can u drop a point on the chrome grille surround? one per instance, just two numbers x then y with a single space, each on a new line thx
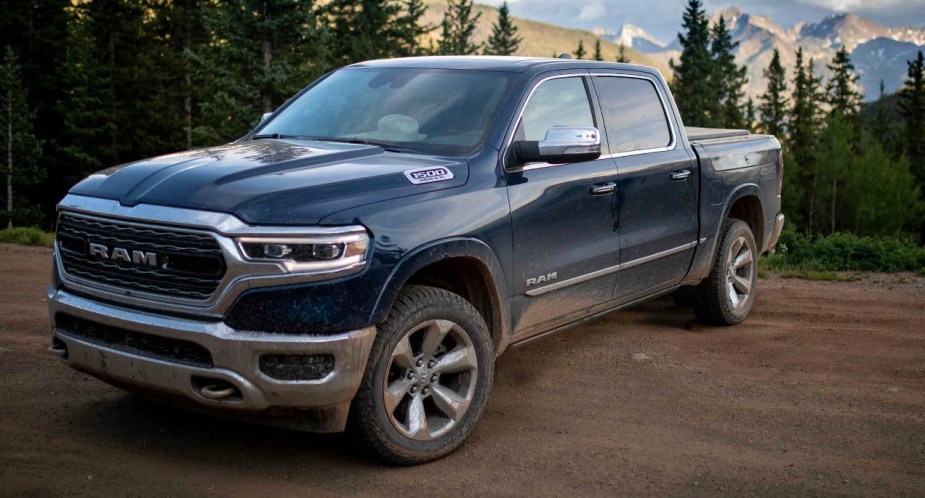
199 282
239 274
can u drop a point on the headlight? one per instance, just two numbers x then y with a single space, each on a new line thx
311 253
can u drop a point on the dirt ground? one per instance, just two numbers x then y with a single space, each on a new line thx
820 392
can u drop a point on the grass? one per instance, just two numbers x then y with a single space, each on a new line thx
27 236
839 257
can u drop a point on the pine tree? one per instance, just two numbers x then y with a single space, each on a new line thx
37 32
912 107
843 96
180 32
727 78
503 39
580 52
411 28
691 85
882 126
833 156
20 149
86 143
750 118
803 127
774 101
365 29
268 50
622 54
597 50
458 28
884 199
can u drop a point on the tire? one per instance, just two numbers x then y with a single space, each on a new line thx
403 379
726 296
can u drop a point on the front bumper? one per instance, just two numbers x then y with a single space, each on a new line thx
235 361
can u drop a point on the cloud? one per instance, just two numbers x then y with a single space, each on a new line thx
592 11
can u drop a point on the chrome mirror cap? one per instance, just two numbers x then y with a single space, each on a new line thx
568 140
562 144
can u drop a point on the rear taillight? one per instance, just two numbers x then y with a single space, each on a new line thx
780 172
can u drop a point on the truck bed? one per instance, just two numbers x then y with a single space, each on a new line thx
695 134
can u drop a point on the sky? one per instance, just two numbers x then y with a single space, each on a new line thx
662 18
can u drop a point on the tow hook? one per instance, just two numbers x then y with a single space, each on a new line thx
217 391
58 348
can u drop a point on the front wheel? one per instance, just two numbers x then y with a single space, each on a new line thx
727 295
427 380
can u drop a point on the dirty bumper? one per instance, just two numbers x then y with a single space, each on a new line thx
209 366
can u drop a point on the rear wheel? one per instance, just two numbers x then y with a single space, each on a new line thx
427 380
727 295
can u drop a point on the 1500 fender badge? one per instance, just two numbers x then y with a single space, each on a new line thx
428 175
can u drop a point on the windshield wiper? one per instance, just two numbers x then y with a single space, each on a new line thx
276 136
385 146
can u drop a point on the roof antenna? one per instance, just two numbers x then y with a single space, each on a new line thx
564 56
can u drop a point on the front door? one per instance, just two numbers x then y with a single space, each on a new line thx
656 192
563 216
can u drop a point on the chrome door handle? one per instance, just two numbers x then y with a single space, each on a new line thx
603 188
677 176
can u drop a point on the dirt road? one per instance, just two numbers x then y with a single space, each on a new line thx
820 392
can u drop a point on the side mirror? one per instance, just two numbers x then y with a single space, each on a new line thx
563 144
264 117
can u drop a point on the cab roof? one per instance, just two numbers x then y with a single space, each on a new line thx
513 64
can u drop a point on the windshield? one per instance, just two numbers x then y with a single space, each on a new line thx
432 111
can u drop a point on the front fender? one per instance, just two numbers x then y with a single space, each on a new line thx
455 247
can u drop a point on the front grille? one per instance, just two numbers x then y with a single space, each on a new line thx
152 346
156 260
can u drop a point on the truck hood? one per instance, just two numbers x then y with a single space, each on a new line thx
272 182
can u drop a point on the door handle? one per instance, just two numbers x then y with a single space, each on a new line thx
677 176
603 188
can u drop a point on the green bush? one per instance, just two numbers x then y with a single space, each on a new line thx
27 237
845 252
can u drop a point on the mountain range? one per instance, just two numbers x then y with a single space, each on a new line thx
878 52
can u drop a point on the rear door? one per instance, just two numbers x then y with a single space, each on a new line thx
656 191
562 215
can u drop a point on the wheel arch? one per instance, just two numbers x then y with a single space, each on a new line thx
464 266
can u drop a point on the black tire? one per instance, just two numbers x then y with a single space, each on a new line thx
714 303
370 421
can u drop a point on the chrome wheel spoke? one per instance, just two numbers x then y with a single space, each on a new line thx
733 296
736 246
395 392
417 419
402 356
457 360
743 285
433 336
449 402
744 258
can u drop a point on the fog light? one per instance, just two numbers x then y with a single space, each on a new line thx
297 366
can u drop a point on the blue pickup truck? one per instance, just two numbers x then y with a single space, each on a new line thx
362 257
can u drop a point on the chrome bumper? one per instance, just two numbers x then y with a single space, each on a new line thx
235 357
775 234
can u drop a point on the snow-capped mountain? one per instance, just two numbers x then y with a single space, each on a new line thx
878 52
633 37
